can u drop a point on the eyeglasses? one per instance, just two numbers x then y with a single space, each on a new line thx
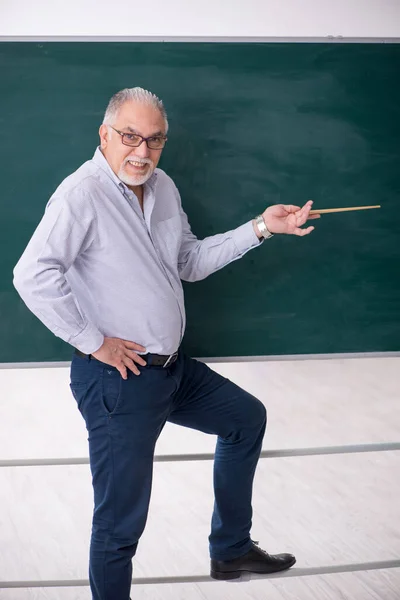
156 142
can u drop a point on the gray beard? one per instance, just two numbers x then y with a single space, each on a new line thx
135 180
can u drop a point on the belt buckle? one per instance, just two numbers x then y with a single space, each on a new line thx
168 361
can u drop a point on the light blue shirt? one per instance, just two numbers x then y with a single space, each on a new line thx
98 266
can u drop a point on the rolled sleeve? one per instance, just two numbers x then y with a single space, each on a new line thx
89 340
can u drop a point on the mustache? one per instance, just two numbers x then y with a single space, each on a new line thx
143 161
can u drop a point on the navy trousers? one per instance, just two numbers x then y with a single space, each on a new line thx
124 419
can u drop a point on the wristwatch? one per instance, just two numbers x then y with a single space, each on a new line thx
262 228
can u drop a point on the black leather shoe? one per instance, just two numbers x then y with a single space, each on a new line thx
255 561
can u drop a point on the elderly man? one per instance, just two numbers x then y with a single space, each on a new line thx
103 272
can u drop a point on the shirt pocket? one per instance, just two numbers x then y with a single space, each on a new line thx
169 237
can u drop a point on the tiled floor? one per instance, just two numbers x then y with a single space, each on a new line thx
328 510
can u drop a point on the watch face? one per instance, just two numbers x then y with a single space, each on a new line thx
262 228
261 225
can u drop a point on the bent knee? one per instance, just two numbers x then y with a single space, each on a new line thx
257 415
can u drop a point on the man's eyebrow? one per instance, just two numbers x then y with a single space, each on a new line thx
156 134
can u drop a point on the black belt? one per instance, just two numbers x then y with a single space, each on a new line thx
154 360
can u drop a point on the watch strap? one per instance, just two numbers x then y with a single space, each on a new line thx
262 228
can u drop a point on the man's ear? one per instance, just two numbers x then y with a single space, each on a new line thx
104 136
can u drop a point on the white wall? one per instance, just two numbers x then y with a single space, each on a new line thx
163 18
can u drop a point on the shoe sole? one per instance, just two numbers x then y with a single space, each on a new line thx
228 575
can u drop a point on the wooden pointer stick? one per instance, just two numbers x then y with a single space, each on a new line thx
333 210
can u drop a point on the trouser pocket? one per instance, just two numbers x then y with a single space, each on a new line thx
111 386
78 391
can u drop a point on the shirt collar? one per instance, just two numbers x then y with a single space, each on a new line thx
100 160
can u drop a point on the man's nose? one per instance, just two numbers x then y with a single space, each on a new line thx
142 151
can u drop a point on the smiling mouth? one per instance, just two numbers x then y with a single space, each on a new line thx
137 165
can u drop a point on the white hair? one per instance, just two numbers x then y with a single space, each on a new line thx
136 94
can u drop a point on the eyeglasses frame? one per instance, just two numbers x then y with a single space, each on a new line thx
143 139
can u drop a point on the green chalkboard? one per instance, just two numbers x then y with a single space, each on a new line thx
250 125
